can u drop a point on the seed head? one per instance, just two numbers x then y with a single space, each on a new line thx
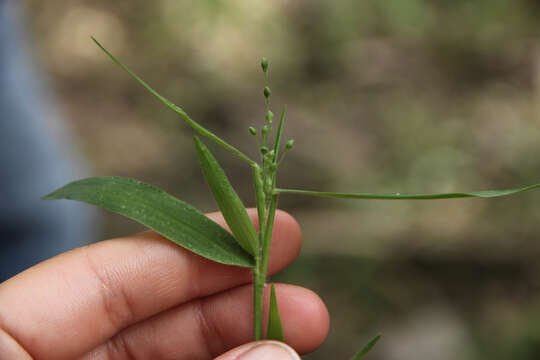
264 64
269 116
267 92
289 144
265 130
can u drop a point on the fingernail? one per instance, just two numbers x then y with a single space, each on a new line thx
270 350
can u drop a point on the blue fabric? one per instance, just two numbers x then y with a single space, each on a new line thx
35 158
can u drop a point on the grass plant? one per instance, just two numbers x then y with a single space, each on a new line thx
187 227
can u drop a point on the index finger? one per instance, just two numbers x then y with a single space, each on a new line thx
66 306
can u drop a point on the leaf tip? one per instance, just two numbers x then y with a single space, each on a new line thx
51 196
95 40
367 348
275 328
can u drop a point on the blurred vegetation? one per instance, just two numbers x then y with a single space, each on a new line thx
400 96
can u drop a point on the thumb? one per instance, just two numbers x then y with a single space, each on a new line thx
261 350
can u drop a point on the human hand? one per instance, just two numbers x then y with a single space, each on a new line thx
143 297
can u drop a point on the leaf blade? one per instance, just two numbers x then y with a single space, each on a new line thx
399 196
279 133
177 109
229 203
367 348
275 329
161 212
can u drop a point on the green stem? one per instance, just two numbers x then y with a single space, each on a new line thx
266 222
258 277
258 287
268 235
259 196
266 208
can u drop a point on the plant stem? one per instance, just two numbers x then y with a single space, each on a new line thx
258 287
266 225
258 278
260 197
264 177
268 234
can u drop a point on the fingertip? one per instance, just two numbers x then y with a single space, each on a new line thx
286 242
265 349
287 223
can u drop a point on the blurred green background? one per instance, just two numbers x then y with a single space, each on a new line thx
382 96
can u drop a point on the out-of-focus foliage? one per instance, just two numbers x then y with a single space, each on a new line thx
386 96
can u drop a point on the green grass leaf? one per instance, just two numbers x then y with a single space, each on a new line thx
279 133
228 201
161 212
399 196
362 353
196 126
275 330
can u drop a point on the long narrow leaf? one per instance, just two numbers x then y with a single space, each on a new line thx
196 126
279 134
154 208
399 196
360 355
228 201
275 330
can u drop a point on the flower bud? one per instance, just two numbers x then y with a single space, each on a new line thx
264 64
289 144
253 131
264 150
267 92
269 116
265 130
